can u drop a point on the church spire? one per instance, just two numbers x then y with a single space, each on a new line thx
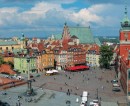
125 9
125 22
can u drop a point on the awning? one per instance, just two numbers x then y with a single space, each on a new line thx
77 68
48 67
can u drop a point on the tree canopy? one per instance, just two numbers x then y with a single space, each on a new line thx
106 55
1 60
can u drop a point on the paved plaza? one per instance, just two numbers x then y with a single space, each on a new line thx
96 81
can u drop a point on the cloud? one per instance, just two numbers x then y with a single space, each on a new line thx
35 1
99 15
107 1
49 17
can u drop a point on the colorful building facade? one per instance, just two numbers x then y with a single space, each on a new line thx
47 60
21 65
92 56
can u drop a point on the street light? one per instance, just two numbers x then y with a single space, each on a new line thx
97 93
29 91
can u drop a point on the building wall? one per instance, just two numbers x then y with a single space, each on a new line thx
10 47
79 58
93 59
70 61
123 79
47 60
20 64
7 59
39 63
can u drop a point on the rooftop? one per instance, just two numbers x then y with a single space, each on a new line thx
8 43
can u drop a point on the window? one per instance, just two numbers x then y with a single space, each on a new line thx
128 93
12 48
6 48
129 74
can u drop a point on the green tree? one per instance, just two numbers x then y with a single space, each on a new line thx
1 60
11 64
106 55
55 62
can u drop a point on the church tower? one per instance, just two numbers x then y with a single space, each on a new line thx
65 36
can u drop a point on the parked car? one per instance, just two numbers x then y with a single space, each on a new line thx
116 85
31 76
114 81
116 89
94 103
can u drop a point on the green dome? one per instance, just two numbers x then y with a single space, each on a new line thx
125 22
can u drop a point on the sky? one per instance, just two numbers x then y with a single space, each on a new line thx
42 18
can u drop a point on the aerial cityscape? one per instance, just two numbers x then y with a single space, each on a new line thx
64 53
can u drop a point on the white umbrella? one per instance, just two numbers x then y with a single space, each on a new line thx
49 72
55 71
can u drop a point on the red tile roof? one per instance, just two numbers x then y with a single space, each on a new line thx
96 48
7 69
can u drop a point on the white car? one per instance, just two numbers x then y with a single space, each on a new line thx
94 103
116 85
19 77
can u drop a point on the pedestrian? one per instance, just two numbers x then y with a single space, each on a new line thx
103 87
16 104
65 83
9 97
77 88
77 100
60 88
71 90
100 98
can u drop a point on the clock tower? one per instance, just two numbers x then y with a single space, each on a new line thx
125 36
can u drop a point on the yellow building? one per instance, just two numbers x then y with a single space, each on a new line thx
39 63
47 60
9 46
9 58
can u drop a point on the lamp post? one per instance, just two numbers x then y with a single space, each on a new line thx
97 93
29 91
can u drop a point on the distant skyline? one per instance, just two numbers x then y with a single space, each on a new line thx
42 18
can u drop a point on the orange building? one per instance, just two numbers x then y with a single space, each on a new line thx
8 58
47 59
